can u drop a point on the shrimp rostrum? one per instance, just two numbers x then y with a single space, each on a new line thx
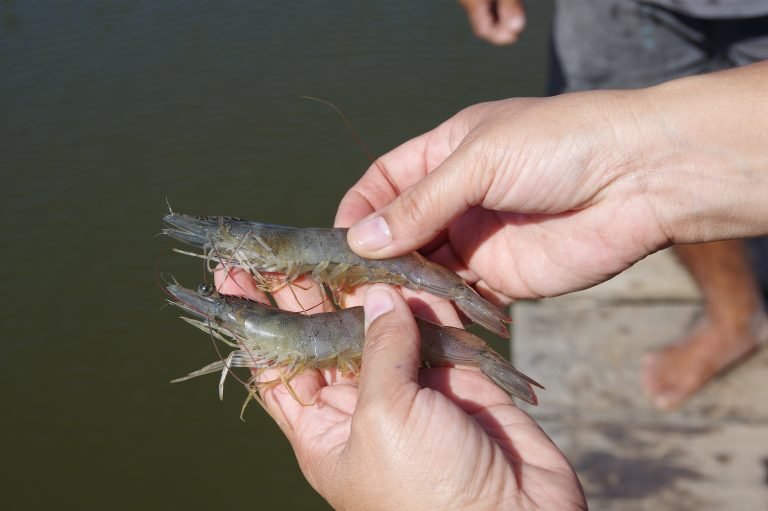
268 338
324 253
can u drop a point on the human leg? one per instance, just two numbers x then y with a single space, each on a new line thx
617 44
733 324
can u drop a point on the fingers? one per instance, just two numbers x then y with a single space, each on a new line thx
387 176
480 17
282 405
237 282
391 356
353 207
422 211
511 21
303 295
499 22
300 295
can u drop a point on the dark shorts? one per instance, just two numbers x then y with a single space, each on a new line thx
622 44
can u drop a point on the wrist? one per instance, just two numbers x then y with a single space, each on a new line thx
706 166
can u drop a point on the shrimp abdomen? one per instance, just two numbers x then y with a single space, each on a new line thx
453 346
483 312
503 374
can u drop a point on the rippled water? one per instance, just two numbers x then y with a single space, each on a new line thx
109 109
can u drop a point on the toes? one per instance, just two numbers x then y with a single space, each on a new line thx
664 380
654 374
669 400
648 370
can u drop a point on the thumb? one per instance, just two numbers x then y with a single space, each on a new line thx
512 16
391 356
417 216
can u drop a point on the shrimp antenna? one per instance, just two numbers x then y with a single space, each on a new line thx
359 140
227 262
168 279
227 368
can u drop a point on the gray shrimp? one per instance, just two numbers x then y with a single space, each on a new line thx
266 338
324 253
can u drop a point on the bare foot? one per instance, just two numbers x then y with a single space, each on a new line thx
674 373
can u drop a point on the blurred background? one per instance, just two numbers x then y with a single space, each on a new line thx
107 109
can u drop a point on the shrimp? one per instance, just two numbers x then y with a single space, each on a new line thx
324 253
268 338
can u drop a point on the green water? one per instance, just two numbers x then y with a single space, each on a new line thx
109 108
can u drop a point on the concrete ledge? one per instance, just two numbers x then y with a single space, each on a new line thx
710 455
630 466
589 357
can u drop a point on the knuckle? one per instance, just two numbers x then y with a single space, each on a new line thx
481 170
382 332
414 210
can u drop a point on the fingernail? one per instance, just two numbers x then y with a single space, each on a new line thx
517 23
371 233
377 301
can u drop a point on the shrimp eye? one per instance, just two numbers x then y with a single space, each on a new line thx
205 289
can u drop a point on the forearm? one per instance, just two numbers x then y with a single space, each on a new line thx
708 174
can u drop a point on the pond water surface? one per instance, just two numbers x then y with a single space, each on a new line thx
107 109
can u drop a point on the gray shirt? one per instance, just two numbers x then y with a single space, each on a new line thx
716 8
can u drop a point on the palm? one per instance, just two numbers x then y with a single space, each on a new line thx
459 411
532 256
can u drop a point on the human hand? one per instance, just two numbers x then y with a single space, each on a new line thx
406 438
499 22
539 197
523 197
